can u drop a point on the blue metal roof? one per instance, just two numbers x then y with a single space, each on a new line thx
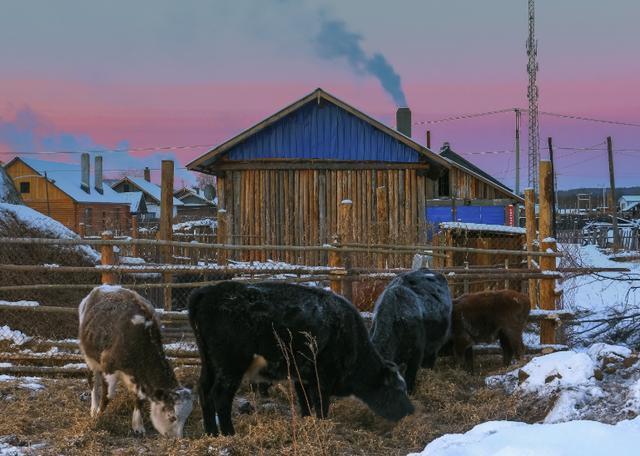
324 131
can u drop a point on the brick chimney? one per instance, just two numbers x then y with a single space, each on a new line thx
147 174
98 174
403 121
84 172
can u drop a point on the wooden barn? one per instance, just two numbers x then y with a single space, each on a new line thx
69 194
282 180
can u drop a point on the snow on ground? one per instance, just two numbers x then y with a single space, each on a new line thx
508 438
483 227
19 303
601 383
16 337
10 445
30 383
602 296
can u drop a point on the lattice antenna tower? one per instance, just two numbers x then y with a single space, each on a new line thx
532 96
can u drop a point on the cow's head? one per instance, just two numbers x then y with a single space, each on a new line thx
388 398
170 410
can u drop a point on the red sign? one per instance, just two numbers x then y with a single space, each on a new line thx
510 215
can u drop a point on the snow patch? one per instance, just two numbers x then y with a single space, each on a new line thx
19 303
483 227
508 438
16 337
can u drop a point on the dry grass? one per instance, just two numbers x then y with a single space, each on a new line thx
447 400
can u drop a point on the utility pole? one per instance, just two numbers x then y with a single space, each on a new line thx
613 205
553 193
517 150
532 96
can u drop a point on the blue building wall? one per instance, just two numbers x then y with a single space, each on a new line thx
324 132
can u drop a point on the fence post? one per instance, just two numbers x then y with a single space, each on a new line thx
530 216
223 225
506 267
335 261
382 220
82 230
135 248
345 232
107 258
166 224
547 244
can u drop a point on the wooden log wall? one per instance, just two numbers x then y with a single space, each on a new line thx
300 207
467 186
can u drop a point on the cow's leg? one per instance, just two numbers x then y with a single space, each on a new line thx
137 423
429 360
207 380
305 398
224 389
468 359
95 393
506 342
411 372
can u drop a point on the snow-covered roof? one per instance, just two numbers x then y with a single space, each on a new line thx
483 227
631 206
630 198
186 192
134 199
66 176
149 188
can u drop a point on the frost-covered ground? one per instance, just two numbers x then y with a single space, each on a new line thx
607 303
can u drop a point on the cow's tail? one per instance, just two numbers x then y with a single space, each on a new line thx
193 307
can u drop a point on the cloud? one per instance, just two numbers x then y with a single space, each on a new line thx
25 132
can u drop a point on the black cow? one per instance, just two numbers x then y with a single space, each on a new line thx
412 321
279 329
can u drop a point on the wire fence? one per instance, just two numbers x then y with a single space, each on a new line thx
42 281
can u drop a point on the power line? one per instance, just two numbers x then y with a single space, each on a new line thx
96 151
463 116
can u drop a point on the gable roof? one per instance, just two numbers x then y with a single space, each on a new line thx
464 164
399 148
148 188
135 200
66 177
630 198
185 193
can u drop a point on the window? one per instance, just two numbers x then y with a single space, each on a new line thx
443 185
25 187
126 188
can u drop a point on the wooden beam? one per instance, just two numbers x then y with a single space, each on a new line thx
166 223
107 258
315 164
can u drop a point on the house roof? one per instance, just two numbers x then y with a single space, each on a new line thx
148 188
631 206
66 177
319 95
630 198
467 166
135 199
186 192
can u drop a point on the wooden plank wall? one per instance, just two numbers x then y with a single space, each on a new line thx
300 207
467 186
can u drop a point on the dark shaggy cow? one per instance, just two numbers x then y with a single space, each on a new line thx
278 329
120 340
412 321
486 316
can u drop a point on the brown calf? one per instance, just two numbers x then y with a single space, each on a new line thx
486 316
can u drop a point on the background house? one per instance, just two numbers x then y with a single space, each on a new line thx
71 194
196 203
282 180
629 206
150 191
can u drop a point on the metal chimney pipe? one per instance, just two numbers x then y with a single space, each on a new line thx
403 121
98 174
84 172
147 174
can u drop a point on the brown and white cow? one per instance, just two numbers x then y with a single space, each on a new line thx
120 340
